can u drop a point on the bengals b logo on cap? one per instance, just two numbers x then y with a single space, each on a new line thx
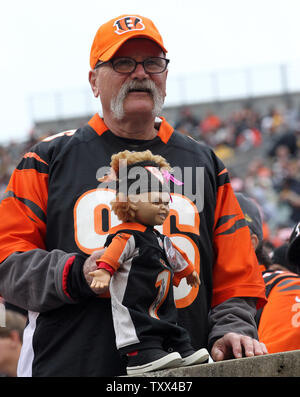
128 24
110 36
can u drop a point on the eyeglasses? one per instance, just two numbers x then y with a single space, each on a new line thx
152 65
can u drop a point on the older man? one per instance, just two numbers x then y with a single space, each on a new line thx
56 216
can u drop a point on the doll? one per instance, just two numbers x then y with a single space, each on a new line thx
140 265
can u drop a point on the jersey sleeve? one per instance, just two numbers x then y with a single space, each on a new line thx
23 209
183 266
30 276
236 272
119 250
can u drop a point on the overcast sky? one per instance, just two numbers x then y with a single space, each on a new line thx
45 44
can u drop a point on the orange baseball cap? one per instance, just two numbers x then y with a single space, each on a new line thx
111 35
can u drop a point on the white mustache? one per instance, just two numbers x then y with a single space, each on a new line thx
144 85
133 85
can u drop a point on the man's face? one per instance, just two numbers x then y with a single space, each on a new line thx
112 86
6 353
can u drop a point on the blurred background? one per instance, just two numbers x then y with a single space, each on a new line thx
233 83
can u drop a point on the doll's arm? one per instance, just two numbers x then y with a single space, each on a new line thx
121 247
101 277
184 268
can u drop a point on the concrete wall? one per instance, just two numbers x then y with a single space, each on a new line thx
285 364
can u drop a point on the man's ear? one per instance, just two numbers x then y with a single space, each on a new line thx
254 241
92 80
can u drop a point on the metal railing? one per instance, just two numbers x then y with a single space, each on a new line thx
184 89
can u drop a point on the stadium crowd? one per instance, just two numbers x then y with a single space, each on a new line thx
268 145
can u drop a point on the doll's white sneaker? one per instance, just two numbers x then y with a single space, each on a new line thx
148 360
193 357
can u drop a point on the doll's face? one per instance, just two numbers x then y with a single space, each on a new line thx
151 208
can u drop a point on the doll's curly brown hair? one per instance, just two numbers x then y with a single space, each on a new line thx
121 204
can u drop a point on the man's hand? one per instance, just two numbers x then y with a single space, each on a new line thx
89 266
234 345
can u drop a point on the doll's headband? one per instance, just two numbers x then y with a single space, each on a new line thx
141 177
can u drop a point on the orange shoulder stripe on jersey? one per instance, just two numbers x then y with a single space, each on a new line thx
20 229
165 131
32 210
289 284
115 249
34 155
227 210
29 184
97 124
228 224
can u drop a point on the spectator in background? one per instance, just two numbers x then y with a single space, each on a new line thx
279 320
293 251
288 140
209 126
11 338
254 222
292 116
258 184
247 131
273 123
290 192
187 123
279 167
279 258
249 138
210 123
